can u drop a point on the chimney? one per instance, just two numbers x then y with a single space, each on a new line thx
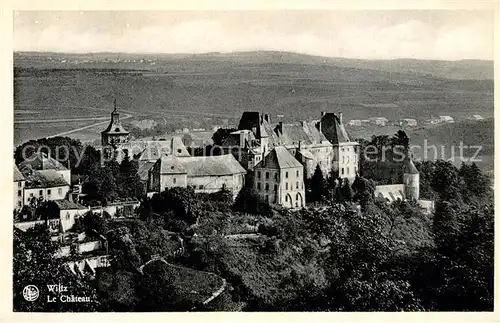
280 127
263 159
340 117
323 114
300 144
266 117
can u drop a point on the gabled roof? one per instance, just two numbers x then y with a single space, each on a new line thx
144 167
18 176
409 167
40 161
45 179
279 158
201 165
305 132
333 129
69 205
390 192
154 149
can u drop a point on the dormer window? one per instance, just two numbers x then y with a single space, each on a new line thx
117 129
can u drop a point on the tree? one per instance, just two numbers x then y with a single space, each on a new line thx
220 135
477 184
347 192
318 190
446 181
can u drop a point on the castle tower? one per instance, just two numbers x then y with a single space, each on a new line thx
114 134
411 179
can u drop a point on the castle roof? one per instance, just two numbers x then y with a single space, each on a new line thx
154 149
409 167
304 132
69 205
196 166
279 158
333 129
115 127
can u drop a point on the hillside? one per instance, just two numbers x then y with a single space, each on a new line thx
174 88
447 138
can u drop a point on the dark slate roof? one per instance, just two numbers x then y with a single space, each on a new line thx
154 149
250 120
201 165
40 162
144 167
69 205
45 179
115 127
18 176
279 158
409 167
333 129
304 132
233 140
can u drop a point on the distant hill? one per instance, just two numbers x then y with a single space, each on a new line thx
462 69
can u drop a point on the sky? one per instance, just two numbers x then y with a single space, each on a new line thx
437 34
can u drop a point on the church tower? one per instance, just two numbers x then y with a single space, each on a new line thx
114 134
411 179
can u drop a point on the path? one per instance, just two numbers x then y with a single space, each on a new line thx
86 127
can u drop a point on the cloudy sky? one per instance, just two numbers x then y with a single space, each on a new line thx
448 35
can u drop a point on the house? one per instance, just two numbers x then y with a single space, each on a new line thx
345 154
475 117
355 122
379 121
446 119
68 212
19 183
206 174
47 185
114 134
279 179
408 122
41 163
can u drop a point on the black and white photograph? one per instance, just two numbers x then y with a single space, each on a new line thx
253 160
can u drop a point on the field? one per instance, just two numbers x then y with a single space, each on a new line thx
185 89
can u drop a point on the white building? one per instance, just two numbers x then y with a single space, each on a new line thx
475 117
406 122
446 119
69 212
379 121
279 179
206 174
19 183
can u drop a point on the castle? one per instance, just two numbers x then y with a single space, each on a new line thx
274 159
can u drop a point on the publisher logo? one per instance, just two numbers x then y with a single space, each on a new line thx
30 293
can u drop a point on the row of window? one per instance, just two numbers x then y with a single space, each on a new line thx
40 192
355 149
266 186
346 159
297 174
345 171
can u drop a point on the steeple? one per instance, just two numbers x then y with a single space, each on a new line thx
114 133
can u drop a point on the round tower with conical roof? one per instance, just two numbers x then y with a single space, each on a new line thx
411 179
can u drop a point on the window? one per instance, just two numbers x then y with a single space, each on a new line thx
67 215
267 187
297 185
342 149
286 198
343 159
19 192
286 174
342 170
19 204
49 192
298 173
59 191
347 172
19 184
286 186
40 192
276 176
200 187
258 186
174 180
267 175
297 197
275 187
31 194
258 174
